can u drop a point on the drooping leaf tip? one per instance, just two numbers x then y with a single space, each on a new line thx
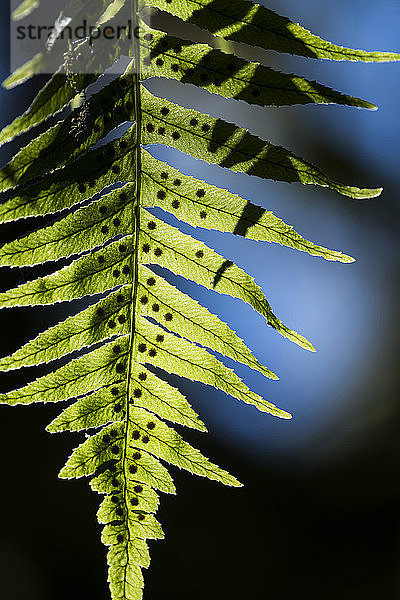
359 193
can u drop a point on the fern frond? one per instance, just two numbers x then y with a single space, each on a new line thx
105 242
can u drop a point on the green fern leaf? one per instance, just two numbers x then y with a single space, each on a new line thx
106 243
24 9
253 24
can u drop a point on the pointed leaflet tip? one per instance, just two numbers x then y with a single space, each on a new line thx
24 9
285 415
370 106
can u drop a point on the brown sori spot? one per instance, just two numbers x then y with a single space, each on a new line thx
158 251
112 468
151 425
164 175
151 225
111 324
175 67
113 432
155 307
217 82
160 338
142 347
123 144
121 319
199 253
120 538
137 392
120 298
194 122
106 439
135 435
100 312
200 193
161 130
142 517
164 110
103 210
119 511
114 391
177 182
124 83
119 368
82 188
115 482
114 499
91 184
101 259
161 194
178 49
152 353
136 456
104 229
148 37
132 469
116 273
203 214
126 270
129 105
115 449
205 127
144 300
122 196
117 349
175 204
145 248
168 317
121 247
145 439
134 501
142 376
176 135
117 408
151 281
115 169
116 222
189 72
159 62
150 127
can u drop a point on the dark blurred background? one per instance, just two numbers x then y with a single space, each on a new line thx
319 514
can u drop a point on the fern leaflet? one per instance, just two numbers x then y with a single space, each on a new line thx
115 251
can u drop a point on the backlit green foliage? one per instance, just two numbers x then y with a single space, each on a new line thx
100 194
